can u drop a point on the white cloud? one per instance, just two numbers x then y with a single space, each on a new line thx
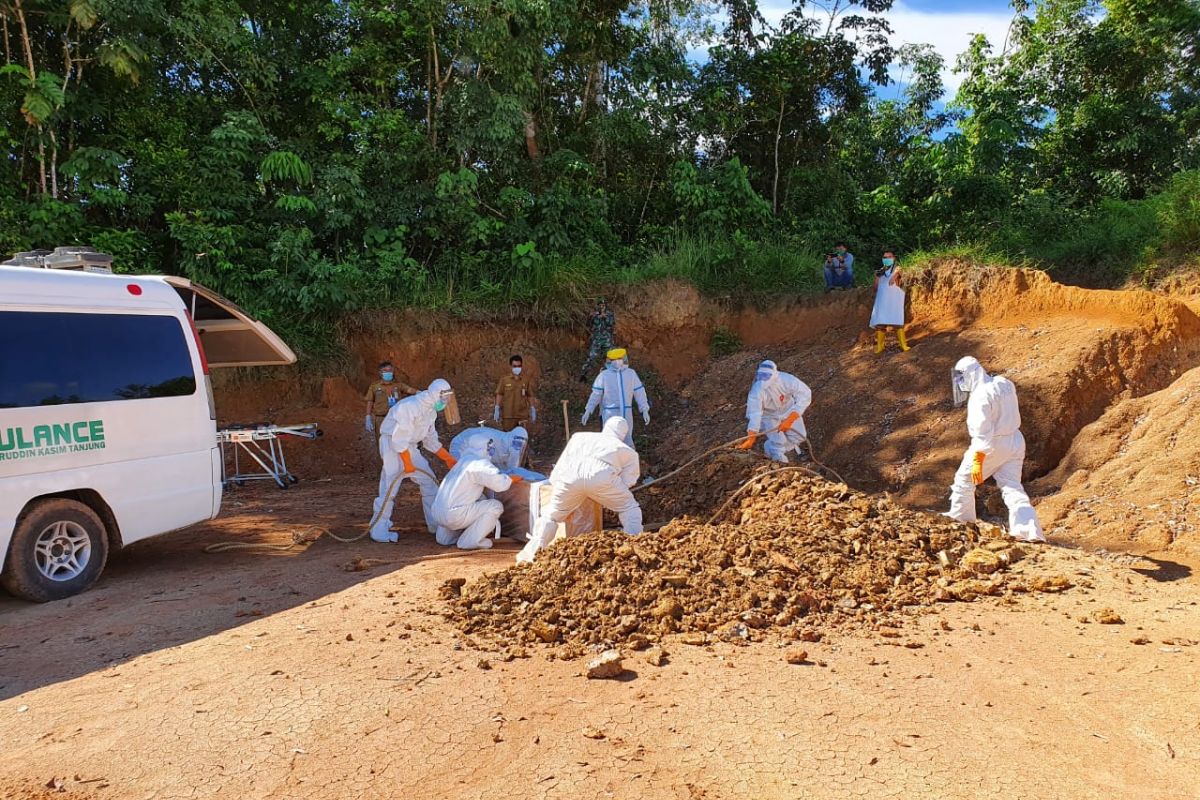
949 32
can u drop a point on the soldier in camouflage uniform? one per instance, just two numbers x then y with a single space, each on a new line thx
602 326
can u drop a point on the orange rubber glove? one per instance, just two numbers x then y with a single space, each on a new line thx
515 478
789 421
408 465
751 438
446 458
977 469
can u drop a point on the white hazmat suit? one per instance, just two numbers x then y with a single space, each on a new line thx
508 447
460 511
994 423
774 397
595 466
409 423
615 390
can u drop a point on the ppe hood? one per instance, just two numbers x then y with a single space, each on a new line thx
231 337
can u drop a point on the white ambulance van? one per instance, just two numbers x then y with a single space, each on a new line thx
107 423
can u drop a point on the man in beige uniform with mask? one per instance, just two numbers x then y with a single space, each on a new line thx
382 395
515 402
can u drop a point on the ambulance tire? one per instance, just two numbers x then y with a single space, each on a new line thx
22 576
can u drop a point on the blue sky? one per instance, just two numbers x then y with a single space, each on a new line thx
946 24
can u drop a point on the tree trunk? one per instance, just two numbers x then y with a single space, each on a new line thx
28 47
531 130
778 135
53 164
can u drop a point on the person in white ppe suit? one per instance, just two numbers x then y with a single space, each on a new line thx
409 423
997 448
460 512
776 405
508 447
615 390
595 466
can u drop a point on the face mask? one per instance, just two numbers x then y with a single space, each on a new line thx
763 375
387 376
887 262
841 251
439 405
516 370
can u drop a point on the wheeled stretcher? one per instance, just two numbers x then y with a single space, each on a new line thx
262 442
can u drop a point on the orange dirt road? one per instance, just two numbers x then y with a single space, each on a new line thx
250 675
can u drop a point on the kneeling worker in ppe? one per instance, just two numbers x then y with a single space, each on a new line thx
460 511
409 423
506 451
997 448
594 466
776 405
615 390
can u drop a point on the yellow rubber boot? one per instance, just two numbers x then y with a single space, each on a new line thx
878 342
903 339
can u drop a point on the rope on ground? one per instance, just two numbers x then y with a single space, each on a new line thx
310 534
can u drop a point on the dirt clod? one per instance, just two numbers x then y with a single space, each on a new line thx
797 657
606 665
1106 616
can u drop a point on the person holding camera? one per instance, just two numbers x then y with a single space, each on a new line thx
839 269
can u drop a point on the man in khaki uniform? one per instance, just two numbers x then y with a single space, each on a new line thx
515 402
382 395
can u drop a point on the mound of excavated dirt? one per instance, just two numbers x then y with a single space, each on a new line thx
807 553
1131 480
702 488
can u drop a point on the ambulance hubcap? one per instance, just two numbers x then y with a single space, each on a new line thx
63 550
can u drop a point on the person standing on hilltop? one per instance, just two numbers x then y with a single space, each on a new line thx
602 327
382 395
888 311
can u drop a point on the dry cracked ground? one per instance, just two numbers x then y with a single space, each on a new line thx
283 675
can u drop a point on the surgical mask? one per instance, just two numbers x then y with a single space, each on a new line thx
615 365
763 375
841 251
516 370
387 376
439 405
887 262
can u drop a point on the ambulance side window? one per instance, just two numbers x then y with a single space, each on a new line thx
54 358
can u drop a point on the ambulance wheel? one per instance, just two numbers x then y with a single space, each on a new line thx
58 549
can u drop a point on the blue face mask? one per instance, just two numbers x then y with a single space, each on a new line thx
887 262
614 365
387 376
516 370
439 405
